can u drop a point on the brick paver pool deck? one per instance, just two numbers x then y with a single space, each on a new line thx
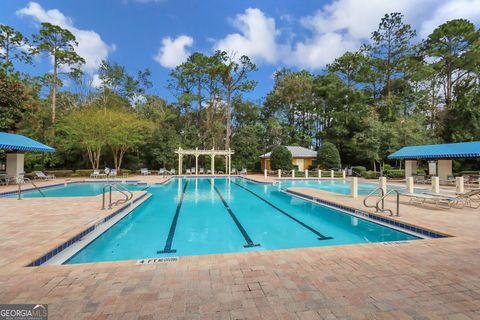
422 279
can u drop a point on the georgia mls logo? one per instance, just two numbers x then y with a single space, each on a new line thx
23 312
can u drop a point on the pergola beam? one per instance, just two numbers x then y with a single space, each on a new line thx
211 153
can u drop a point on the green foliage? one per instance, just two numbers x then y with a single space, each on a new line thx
371 175
12 44
13 101
395 173
60 173
328 156
281 158
359 170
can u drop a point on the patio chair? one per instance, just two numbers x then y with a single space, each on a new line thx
188 171
443 201
4 179
244 171
201 171
112 173
144 172
209 171
42 176
95 173
234 171
172 171
162 171
470 198
193 170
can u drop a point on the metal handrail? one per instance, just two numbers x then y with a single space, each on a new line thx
371 194
383 205
118 187
23 180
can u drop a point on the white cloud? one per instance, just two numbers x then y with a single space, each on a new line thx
336 27
173 51
466 9
256 38
91 47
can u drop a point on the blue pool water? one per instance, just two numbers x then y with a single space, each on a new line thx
192 216
73 190
336 186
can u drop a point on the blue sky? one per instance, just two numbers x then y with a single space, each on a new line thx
158 34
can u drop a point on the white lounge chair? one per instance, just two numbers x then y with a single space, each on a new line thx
172 171
470 198
188 171
234 171
4 179
42 176
95 173
438 200
201 171
144 172
112 173
244 171
162 171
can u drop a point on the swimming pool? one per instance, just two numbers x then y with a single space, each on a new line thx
336 186
82 189
194 216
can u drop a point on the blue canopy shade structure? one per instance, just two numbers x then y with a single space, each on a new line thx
439 151
18 142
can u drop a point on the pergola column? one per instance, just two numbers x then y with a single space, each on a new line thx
212 164
180 159
15 162
196 164
410 168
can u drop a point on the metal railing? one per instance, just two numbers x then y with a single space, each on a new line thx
371 194
22 180
380 204
383 204
118 187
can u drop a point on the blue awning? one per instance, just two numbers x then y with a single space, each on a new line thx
18 142
439 151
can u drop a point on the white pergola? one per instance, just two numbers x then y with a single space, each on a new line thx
211 153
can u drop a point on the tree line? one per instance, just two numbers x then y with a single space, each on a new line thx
396 90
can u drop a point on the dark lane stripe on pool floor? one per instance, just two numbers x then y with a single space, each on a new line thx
320 236
239 225
173 226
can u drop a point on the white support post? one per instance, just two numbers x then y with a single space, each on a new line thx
344 174
265 173
293 173
229 163
319 174
435 184
196 164
15 164
306 173
382 183
409 185
279 173
332 174
354 187
179 164
212 163
460 185
226 164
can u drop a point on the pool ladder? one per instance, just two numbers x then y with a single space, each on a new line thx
22 180
380 204
118 187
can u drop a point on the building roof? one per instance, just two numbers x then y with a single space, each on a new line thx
297 152
439 151
12 141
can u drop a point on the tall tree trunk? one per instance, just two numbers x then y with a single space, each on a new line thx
449 84
54 90
229 101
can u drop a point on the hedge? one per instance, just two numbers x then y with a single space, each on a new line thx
371 175
359 169
61 173
395 173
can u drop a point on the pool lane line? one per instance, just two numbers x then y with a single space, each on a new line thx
320 236
245 235
173 226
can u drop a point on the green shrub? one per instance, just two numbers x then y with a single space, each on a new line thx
83 172
359 170
281 158
395 173
60 173
328 156
387 167
468 172
371 175
421 172
38 167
